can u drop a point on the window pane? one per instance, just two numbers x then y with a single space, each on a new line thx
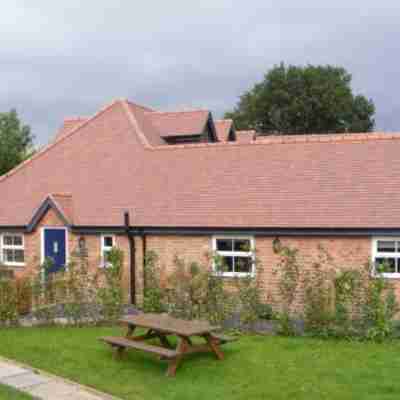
17 240
227 264
8 255
243 264
19 256
386 246
386 264
108 241
224 244
242 245
8 240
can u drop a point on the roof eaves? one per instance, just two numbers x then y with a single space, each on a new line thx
48 203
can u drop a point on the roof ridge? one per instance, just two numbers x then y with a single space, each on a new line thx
179 112
290 139
135 125
49 146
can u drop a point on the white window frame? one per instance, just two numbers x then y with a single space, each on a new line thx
12 247
103 263
376 254
233 253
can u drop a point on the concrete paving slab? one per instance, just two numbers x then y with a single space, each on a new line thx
53 390
23 381
84 395
7 369
44 386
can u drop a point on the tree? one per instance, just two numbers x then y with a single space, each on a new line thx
299 100
15 141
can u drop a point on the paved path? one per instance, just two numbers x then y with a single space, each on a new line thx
44 386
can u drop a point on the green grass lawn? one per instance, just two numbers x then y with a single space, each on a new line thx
12 394
255 367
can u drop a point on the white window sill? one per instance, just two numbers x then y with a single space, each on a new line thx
386 275
14 265
235 274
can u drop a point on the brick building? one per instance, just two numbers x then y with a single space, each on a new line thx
182 183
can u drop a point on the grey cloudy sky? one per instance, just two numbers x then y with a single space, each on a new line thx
68 58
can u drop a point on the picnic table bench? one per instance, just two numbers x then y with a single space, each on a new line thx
160 326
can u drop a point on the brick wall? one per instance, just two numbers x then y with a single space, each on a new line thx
347 252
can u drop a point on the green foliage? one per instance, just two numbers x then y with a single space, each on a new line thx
15 141
153 292
249 299
8 302
110 293
337 302
298 100
288 271
80 295
197 292
380 307
264 311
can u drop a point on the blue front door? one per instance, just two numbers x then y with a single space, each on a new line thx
55 248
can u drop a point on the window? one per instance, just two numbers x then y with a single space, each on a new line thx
386 253
107 243
12 249
237 255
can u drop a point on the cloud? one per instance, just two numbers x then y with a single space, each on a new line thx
59 61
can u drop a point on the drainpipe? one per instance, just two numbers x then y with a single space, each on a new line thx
144 250
132 251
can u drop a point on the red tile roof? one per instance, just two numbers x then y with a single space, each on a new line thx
64 203
245 136
223 127
108 165
180 123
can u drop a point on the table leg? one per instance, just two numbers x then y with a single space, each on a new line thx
214 346
118 352
164 340
131 329
174 362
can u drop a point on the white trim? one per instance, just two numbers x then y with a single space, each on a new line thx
233 253
105 248
3 246
42 230
376 254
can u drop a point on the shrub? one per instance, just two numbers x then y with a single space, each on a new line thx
264 311
340 302
153 294
380 307
197 292
8 302
110 293
23 289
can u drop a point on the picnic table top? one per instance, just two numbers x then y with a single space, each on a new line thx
167 324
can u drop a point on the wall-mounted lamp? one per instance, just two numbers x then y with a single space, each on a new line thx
82 246
276 245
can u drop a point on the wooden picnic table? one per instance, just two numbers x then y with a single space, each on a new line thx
160 326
